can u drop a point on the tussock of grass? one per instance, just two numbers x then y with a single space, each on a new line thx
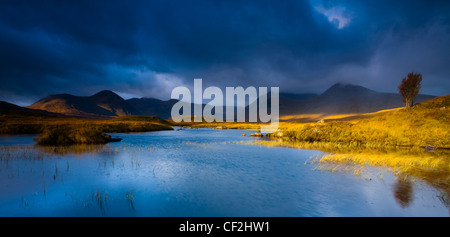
70 135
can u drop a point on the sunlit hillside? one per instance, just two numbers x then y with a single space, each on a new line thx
426 124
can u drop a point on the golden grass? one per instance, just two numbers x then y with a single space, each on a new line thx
339 116
228 125
426 124
308 117
36 125
317 117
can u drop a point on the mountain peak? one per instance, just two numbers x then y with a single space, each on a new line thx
342 84
106 93
347 88
107 96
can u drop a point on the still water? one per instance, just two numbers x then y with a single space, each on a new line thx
195 172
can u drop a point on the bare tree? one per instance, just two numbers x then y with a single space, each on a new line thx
409 88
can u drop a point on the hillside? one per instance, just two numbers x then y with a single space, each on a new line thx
348 99
101 105
15 110
151 106
105 104
340 100
425 124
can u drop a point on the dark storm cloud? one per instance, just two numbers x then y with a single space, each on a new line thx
145 48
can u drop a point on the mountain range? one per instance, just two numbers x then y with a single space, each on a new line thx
339 99
101 105
343 98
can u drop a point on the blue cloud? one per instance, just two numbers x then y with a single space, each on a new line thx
82 46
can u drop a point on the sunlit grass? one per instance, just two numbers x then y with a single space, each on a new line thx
32 125
228 125
426 124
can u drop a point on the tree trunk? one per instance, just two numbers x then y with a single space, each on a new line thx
408 104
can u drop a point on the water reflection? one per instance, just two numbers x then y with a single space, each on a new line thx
39 152
74 149
403 192
406 163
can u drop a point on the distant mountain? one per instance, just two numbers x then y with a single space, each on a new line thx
290 101
156 107
344 98
296 97
103 104
151 106
112 102
339 99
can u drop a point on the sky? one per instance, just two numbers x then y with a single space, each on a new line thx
147 48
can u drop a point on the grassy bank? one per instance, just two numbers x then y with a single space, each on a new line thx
62 131
425 124
227 125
